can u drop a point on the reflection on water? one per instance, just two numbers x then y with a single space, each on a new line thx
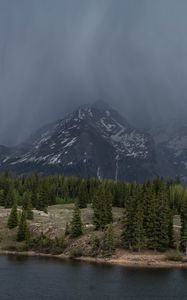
40 278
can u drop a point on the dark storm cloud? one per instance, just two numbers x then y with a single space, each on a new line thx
57 54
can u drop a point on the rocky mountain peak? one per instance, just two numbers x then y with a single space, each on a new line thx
94 140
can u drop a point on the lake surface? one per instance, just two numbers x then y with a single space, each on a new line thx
39 279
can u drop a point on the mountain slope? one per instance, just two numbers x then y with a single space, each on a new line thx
94 140
171 147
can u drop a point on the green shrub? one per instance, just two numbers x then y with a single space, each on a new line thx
44 244
76 252
18 247
96 246
174 255
108 245
59 245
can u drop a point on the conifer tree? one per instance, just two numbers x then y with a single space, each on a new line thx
2 197
29 211
126 232
108 241
23 230
11 197
25 199
27 205
82 195
138 235
97 207
108 218
76 223
183 241
171 231
151 223
42 200
34 197
102 205
164 221
13 217
65 192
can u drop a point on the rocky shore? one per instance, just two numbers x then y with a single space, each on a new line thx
121 258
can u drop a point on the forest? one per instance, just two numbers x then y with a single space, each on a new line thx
148 209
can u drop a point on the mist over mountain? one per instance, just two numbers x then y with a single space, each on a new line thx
95 140
57 55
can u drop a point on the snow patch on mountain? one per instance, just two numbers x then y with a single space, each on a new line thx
94 140
70 143
55 159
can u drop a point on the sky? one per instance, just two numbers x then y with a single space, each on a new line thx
58 54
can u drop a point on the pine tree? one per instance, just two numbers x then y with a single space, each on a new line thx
102 206
164 221
11 197
29 211
27 205
108 218
171 231
34 198
138 235
2 197
23 233
65 190
25 199
13 217
108 242
126 233
151 223
97 219
183 241
82 195
76 223
42 200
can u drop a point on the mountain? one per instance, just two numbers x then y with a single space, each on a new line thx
5 153
171 149
94 140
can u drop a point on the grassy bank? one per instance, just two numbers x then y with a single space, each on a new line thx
53 223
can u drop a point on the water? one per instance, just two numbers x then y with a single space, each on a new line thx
39 279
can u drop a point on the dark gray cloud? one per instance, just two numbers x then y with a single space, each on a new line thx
55 55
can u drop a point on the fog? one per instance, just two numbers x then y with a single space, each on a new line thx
58 54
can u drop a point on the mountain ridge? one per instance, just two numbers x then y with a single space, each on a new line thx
93 140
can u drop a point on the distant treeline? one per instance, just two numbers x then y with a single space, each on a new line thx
149 208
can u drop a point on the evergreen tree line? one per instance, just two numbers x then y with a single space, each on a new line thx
148 219
149 208
43 191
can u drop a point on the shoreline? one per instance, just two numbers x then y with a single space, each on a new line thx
150 260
